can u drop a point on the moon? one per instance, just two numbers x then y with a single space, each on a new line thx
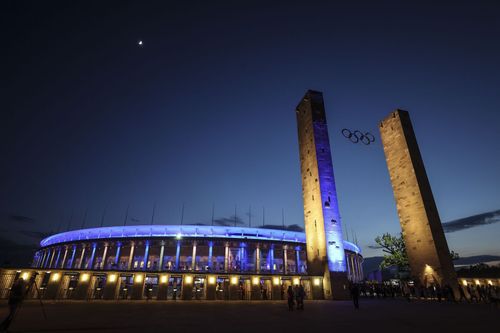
139 43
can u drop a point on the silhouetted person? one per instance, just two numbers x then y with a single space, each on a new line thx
472 293
290 298
355 295
16 297
301 294
462 294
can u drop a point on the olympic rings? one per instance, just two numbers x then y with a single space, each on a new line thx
357 136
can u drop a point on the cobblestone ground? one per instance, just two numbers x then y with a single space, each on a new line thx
256 316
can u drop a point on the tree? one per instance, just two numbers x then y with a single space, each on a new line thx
394 251
454 255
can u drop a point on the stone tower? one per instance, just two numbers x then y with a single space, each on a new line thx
426 246
325 249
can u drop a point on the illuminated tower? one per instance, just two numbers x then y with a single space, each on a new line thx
428 253
325 250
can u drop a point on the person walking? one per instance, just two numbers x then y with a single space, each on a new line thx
16 297
290 298
355 295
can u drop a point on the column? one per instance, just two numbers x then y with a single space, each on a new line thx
64 256
146 256
162 250
35 259
57 258
81 258
285 260
92 256
353 265
178 256
297 259
226 257
193 258
257 259
42 258
358 273
131 256
210 251
47 258
117 255
103 261
360 267
271 258
242 257
52 257
354 268
73 257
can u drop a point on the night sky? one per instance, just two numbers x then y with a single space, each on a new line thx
203 112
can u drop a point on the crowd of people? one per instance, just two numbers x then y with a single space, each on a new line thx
410 291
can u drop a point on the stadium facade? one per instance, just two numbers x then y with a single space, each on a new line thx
176 262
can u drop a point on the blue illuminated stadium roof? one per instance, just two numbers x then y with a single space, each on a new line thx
190 231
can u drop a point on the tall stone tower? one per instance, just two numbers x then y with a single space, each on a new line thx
325 249
426 246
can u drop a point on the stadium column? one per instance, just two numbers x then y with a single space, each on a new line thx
226 257
52 257
285 260
41 259
64 256
73 257
103 261
210 252
146 256
117 255
82 256
58 257
44 254
352 266
193 258
358 278
36 259
257 258
162 250
297 258
92 256
178 255
131 255
242 257
348 266
47 258
271 258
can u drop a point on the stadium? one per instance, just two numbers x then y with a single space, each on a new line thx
175 262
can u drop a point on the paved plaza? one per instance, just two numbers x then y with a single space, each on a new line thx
255 316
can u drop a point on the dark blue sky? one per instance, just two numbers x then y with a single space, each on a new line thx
204 112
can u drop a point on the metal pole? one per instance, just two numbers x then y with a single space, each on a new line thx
263 215
70 219
126 215
182 214
153 216
213 212
84 218
104 213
